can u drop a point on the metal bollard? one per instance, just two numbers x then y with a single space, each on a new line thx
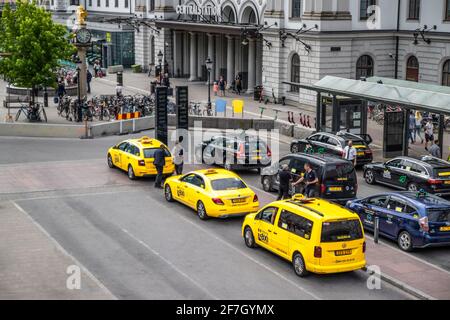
376 229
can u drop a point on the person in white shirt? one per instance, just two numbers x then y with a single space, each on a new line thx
119 89
178 156
429 131
350 152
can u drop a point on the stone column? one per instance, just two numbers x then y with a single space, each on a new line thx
259 52
230 60
178 54
186 69
218 62
211 54
193 57
201 55
251 65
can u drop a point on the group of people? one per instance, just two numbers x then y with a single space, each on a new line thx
416 126
219 87
309 178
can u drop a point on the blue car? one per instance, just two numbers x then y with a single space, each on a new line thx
413 219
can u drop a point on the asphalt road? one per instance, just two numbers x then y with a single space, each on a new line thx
141 247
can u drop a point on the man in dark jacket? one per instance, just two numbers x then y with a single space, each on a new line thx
285 180
159 162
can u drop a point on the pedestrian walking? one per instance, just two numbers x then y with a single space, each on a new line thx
429 133
310 179
285 179
222 86
159 163
96 68
238 84
418 128
435 150
61 90
89 79
178 156
119 89
350 152
215 88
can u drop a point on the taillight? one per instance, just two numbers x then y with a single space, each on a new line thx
269 153
255 198
423 223
434 181
364 247
141 163
241 152
317 252
218 201
323 188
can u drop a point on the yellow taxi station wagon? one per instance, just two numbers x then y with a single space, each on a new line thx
217 193
136 156
315 235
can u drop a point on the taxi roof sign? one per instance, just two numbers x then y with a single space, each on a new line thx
146 140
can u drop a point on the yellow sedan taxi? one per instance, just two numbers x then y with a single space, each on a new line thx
313 234
136 156
215 193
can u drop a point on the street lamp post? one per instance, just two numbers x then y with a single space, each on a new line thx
160 58
209 64
79 94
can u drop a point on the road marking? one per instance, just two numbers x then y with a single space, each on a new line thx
242 253
21 164
64 251
145 245
77 194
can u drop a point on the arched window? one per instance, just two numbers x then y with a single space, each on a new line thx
364 67
446 74
295 72
412 69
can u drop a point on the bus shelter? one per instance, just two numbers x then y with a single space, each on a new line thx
342 105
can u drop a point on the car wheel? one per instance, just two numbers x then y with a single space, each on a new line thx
168 193
369 176
413 187
295 148
249 238
131 174
201 211
404 241
110 162
267 184
299 265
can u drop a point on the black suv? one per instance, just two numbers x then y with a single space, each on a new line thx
337 177
235 152
334 144
427 173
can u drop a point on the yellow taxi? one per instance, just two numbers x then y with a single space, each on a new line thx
217 193
136 156
315 235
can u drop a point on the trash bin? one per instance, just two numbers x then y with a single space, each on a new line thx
257 92
120 78
153 85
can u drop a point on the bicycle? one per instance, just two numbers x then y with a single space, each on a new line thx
33 113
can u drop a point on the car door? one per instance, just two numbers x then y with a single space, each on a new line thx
331 145
371 208
194 190
119 154
390 224
390 173
314 141
182 188
297 168
265 226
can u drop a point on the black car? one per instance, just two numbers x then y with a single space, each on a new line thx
427 173
337 177
329 143
235 152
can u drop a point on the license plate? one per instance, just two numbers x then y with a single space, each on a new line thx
447 182
360 153
335 189
447 228
346 252
239 200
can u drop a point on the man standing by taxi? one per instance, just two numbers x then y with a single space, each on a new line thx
311 181
178 156
285 178
159 162
350 153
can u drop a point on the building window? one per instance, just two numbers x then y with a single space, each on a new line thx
412 69
364 67
74 2
447 10
107 3
99 3
296 8
364 6
90 3
414 10
126 3
295 72
152 5
116 3
446 74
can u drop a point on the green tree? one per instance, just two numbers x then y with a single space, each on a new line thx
34 44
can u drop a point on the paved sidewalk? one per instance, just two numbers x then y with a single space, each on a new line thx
411 274
32 266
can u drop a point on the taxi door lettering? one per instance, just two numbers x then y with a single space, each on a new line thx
180 192
263 236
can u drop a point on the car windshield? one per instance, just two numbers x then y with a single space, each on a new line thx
439 215
150 152
340 171
337 231
227 184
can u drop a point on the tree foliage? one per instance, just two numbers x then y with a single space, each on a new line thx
35 44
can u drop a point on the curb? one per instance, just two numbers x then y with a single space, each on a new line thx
403 286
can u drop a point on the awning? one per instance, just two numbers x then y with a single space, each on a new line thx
232 29
407 94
